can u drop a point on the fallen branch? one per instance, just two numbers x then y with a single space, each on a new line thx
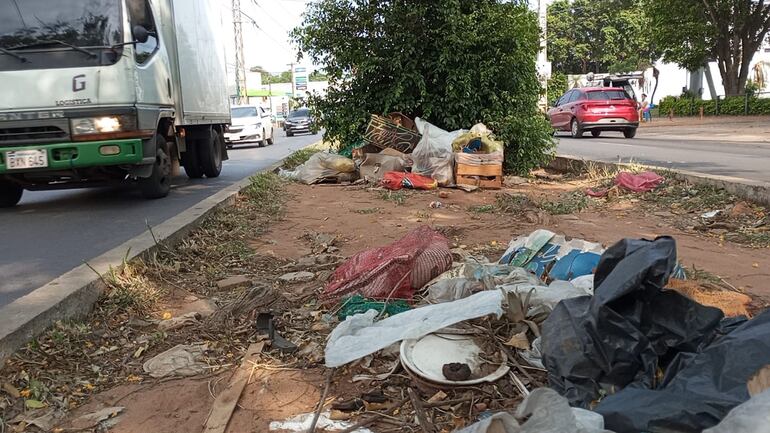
422 417
329 374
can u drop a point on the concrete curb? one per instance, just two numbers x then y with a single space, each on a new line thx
756 191
73 294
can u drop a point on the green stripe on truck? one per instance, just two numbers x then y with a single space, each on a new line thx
62 156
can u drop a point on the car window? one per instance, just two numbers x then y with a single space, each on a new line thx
606 95
575 96
299 113
141 14
564 99
239 112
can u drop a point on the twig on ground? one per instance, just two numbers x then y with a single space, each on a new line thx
374 417
322 401
422 417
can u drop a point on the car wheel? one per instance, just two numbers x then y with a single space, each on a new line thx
596 133
263 141
158 184
289 133
10 193
271 140
629 133
575 129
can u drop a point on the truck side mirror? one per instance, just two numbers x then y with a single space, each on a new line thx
140 33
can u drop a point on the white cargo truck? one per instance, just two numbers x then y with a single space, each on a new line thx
94 92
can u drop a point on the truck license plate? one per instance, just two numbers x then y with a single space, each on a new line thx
20 159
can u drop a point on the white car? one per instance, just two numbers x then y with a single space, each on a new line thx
250 123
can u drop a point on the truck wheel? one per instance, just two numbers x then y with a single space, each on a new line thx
10 193
191 160
158 184
211 154
271 140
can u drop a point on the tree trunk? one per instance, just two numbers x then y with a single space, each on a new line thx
730 79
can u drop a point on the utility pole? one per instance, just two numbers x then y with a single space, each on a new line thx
542 56
240 67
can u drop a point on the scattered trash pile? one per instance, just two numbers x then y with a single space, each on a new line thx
558 335
397 153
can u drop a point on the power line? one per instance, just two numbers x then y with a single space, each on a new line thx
270 16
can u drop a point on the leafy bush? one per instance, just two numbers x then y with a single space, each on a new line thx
451 63
732 105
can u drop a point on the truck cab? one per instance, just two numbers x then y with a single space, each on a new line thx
103 91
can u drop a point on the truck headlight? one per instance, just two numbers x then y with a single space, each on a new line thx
90 126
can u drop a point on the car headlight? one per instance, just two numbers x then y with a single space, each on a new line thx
86 126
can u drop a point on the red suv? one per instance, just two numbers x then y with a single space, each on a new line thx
595 109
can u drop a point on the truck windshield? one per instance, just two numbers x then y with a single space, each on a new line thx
45 32
239 112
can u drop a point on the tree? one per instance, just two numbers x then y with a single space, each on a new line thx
318 75
691 33
598 36
454 63
283 77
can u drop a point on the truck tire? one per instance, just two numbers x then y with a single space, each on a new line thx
10 193
191 160
158 184
211 154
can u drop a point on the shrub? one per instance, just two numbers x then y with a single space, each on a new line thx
451 63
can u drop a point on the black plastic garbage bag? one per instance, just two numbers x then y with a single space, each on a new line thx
629 330
698 389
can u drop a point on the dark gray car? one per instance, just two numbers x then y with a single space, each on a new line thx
299 121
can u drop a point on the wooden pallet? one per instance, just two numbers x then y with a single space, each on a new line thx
483 176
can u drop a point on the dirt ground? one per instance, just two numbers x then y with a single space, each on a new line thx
370 221
351 218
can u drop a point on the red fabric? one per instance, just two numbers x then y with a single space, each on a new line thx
641 182
596 192
396 180
394 271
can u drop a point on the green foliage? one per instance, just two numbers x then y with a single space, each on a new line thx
397 197
318 76
752 88
451 63
482 208
267 190
557 86
691 33
567 203
283 77
599 36
299 157
731 105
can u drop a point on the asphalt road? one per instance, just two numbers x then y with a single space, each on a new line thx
720 156
52 232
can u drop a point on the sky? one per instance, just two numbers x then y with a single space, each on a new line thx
266 39
268 45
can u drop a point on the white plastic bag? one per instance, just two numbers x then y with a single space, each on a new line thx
545 411
320 166
433 156
359 335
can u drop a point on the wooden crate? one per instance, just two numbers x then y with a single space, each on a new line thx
483 176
